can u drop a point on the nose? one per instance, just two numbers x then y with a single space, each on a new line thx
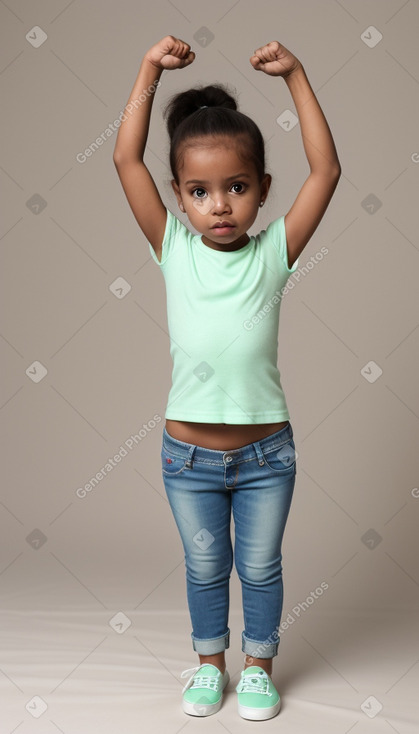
220 203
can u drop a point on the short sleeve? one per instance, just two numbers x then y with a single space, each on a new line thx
277 234
173 231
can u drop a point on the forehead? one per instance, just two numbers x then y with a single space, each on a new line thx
213 158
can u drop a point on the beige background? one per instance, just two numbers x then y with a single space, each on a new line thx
95 628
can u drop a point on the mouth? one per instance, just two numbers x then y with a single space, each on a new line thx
223 228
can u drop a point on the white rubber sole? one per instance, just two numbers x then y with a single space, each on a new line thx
200 709
259 714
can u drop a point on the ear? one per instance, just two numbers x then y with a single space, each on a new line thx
176 189
265 185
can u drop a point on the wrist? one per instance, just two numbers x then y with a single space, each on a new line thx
295 73
151 67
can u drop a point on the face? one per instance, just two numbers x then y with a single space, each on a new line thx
216 187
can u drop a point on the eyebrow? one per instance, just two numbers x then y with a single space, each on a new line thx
230 178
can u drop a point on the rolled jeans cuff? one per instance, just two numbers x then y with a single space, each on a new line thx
211 646
256 649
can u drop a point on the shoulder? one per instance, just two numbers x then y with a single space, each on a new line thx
176 234
275 235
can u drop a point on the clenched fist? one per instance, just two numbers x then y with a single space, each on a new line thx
275 60
170 53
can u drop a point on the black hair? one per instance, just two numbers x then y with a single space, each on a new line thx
187 118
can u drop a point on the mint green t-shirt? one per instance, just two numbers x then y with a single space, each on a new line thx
223 319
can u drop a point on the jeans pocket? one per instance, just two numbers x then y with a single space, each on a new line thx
172 464
282 460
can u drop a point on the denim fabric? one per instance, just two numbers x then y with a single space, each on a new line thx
203 485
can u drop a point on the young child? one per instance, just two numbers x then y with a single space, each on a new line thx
228 442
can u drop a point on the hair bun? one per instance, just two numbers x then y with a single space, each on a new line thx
183 104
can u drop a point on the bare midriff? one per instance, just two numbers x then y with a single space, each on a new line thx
221 436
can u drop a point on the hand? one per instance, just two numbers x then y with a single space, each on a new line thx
170 53
275 60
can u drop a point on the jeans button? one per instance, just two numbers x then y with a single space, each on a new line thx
229 458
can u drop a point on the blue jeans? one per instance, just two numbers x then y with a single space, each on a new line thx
202 485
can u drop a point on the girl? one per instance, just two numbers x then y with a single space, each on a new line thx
227 442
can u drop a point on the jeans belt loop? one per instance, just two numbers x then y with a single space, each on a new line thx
259 453
189 461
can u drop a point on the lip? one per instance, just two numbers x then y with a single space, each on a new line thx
221 231
223 228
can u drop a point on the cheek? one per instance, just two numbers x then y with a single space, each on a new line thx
199 207
196 218
249 203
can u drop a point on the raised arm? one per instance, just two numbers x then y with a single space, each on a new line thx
314 196
137 182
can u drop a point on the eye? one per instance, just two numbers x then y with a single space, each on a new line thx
241 186
196 190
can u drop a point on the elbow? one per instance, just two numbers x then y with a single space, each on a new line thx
334 174
330 171
119 155
122 159
117 159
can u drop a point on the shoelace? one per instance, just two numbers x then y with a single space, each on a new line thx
256 683
201 681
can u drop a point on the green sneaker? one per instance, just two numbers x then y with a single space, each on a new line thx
203 693
258 698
